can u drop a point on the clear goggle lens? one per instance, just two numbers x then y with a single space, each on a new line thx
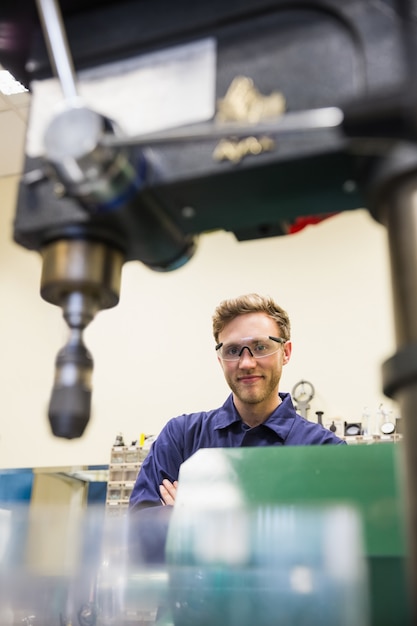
258 348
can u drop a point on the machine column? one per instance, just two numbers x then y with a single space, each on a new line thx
397 210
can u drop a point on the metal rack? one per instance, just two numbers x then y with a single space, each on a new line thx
125 463
371 439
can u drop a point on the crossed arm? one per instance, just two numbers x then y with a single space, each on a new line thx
168 491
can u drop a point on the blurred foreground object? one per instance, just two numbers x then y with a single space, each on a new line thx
298 535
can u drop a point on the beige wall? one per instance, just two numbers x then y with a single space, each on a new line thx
154 354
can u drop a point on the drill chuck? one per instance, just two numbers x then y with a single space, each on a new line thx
69 408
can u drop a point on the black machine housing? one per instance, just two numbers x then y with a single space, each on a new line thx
318 54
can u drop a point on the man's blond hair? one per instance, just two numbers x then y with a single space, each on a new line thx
227 310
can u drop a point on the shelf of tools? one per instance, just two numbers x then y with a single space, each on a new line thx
125 463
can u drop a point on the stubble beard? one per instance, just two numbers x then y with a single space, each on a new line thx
248 395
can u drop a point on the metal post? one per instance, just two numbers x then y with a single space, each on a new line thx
58 48
399 214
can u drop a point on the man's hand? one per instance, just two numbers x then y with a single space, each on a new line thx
168 491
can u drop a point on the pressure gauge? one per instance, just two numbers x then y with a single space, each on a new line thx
353 428
303 392
387 428
386 424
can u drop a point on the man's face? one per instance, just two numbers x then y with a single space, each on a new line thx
253 380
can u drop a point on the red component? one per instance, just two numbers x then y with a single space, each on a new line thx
308 220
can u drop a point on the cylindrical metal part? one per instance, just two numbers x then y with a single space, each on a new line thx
82 277
399 214
79 310
400 218
69 408
88 267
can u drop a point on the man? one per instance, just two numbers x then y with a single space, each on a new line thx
252 335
